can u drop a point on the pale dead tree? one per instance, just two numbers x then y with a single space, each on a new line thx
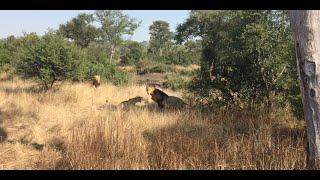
306 31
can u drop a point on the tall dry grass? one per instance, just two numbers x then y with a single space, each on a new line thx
63 129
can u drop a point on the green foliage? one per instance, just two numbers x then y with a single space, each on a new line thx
108 72
245 56
115 24
48 59
163 50
161 38
94 63
245 53
3 55
52 58
186 54
98 53
193 51
120 78
80 30
131 53
9 51
149 66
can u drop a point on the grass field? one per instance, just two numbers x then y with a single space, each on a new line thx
63 129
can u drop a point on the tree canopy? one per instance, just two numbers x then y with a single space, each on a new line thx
247 54
80 30
113 25
161 37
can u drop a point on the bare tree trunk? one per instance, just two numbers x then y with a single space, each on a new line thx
306 31
112 52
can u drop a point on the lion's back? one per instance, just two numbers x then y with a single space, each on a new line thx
174 102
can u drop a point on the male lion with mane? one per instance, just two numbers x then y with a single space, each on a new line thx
96 81
164 100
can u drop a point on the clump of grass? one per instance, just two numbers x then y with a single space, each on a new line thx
176 81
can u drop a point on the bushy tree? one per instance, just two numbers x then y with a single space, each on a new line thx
184 54
246 55
131 53
80 30
113 25
94 64
161 37
3 54
194 50
49 59
98 52
9 51
165 47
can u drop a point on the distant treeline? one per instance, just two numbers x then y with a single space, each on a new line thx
78 50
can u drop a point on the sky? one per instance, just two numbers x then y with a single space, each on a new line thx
15 22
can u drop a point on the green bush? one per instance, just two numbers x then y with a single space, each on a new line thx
247 53
9 51
96 62
108 72
120 78
98 53
49 59
131 53
184 54
2 55
180 55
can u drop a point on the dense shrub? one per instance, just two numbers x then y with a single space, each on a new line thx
247 55
3 54
131 53
185 54
98 53
49 59
108 72
9 51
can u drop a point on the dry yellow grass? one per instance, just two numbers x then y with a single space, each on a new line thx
76 135
130 69
190 67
